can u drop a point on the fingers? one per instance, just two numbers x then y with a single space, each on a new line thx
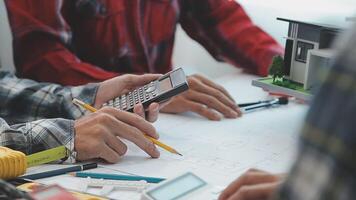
216 86
108 154
133 120
153 111
116 144
249 178
138 109
255 192
202 110
214 103
131 127
137 137
220 96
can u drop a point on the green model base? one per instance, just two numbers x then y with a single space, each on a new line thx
284 87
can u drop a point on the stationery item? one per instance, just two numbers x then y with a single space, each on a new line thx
107 186
61 171
118 177
274 102
160 90
241 105
183 187
154 141
14 163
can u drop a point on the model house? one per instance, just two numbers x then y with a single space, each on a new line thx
307 49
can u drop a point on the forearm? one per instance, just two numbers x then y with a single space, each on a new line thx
226 31
51 61
26 100
38 135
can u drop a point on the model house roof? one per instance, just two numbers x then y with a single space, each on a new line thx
316 25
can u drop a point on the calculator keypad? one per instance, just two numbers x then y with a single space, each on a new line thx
139 95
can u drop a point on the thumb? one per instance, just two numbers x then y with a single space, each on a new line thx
141 80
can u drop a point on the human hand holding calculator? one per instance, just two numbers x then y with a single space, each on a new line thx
160 90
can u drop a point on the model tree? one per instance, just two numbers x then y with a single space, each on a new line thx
276 69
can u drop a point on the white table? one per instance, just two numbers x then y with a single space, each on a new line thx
217 151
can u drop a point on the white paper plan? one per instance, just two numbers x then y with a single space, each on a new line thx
220 151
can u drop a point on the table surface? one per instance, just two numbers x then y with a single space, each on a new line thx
216 151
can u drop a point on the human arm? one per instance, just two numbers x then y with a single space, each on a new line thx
226 31
103 129
42 45
25 100
98 135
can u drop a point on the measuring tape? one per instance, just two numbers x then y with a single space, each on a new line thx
14 163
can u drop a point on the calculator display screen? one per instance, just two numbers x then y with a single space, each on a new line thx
165 84
177 188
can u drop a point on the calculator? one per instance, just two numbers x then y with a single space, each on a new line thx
160 90
187 186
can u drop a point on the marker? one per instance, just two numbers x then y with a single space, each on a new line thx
154 141
61 171
117 177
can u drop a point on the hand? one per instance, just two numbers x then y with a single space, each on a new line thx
117 86
99 134
205 98
252 185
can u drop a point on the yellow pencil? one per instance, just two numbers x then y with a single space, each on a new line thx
154 141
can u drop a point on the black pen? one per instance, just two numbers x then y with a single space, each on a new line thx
274 102
60 171
241 105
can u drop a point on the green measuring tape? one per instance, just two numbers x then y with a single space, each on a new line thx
14 163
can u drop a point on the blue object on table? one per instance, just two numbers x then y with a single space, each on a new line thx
60 171
118 177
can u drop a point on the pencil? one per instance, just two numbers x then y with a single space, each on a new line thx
117 177
154 141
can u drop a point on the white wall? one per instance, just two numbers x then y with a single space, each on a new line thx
6 61
264 13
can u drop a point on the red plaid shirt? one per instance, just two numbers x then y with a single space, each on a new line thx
78 41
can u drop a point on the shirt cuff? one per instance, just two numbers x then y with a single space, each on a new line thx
72 154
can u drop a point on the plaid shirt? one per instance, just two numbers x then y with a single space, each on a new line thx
81 41
38 116
326 165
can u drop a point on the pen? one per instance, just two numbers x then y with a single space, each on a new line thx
117 177
60 171
154 141
241 105
279 101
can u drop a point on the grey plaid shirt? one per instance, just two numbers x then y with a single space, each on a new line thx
38 116
326 165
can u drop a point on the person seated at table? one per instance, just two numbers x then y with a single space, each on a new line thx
325 167
81 41
38 116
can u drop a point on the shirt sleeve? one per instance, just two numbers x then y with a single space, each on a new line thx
25 100
226 31
38 135
47 37
325 167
